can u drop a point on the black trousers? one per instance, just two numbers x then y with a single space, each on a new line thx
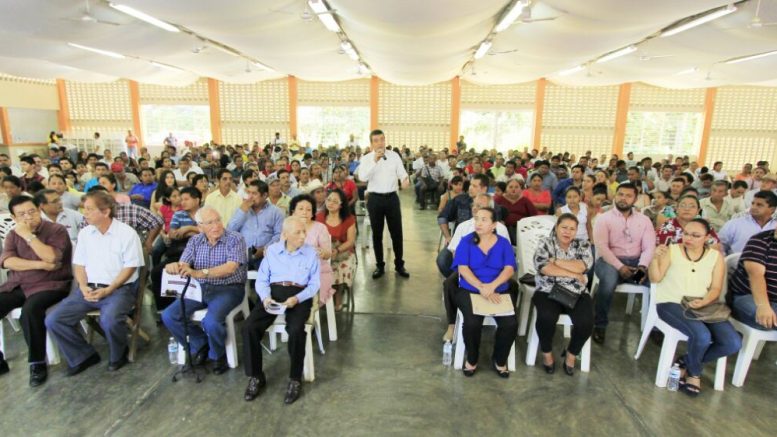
548 312
382 207
449 287
506 330
260 320
33 317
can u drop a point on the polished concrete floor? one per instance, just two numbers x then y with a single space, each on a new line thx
384 377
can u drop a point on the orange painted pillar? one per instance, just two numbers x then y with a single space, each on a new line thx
292 107
63 116
214 100
374 82
621 116
539 107
135 106
5 127
455 112
709 107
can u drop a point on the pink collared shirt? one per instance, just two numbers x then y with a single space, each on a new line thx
616 237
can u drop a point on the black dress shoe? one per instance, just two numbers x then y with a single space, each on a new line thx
292 392
468 372
87 363
38 374
116 365
199 358
598 335
254 386
502 373
380 271
402 272
568 370
220 365
3 364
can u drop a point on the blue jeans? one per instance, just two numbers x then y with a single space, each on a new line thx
609 278
444 262
743 309
706 341
63 323
219 300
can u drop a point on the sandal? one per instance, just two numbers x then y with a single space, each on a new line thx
691 390
468 372
502 373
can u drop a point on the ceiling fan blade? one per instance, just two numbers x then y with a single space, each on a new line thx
110 23
534 20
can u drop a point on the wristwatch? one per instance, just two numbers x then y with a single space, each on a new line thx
29 240
205 272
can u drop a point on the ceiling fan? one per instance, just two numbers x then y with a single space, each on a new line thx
307 15
504 52
87 17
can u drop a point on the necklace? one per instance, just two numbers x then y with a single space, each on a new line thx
694 261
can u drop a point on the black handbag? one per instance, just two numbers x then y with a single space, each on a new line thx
564 296
428 180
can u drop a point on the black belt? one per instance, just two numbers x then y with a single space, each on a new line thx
287 284
393 193
95 285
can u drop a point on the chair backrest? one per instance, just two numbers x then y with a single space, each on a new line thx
6 226
528 234
731 266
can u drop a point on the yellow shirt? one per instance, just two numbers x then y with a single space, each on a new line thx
684 277
225 205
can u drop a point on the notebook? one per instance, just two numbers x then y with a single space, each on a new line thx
484 307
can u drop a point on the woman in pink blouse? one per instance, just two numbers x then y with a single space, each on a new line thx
539 197
303 206
109 182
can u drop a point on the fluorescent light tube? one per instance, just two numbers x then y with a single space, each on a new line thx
688 71
510 17
144 17
98 51
572 70
750 57
483 49
325 15
699 21
617 54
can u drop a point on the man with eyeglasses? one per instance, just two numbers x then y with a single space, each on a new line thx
106 263
50 204
625 240
39 254
216 258
258 221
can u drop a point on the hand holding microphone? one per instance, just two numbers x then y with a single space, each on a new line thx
380 153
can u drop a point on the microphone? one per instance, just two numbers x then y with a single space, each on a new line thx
384 157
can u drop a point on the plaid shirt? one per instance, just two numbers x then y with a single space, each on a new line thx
199 254
137 217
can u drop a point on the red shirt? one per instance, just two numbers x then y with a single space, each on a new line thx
349 188
522 208
34 281
339 232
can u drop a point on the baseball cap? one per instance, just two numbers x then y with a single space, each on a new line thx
117 167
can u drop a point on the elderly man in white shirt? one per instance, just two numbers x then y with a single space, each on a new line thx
105 264
445 259
50 204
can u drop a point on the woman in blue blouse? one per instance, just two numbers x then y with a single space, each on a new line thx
485 263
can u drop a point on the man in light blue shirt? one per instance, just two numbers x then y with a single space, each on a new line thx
735 233
289 276
258 220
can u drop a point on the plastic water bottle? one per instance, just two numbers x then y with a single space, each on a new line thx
447 354
172 350
674 378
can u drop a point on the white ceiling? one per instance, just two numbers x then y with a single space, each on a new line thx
403 41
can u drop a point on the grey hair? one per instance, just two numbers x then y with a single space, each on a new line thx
487 196
290 221
198 214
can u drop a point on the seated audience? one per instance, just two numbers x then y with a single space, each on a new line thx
753 286
289 275
276 197
258 221
715 208
737 231
693 270
736 197
71 199
109 182
224 200
563 258
455 187
574 205
768 183
166 180
625 241
106 262
688 208
38 253
341 225
485 262
140 194
537 195
216 258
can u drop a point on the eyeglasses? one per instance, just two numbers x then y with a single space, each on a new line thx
210 222
28 213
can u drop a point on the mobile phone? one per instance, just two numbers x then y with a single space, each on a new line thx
638 276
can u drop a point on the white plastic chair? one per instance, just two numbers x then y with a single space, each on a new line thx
671 337
528 233
231 340
534 342
367 235
632 290
458 357
313 323
52 354
753 340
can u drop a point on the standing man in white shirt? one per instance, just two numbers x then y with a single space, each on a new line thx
381 171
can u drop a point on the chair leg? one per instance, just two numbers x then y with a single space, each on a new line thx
744 358
511 358
629 303
231 341
2 337
52 354
458 357
645 308
585 359
319 335
720 373
308 370
759 349
649 324
525 309
666 358
181 354
534 342
14 325
331 321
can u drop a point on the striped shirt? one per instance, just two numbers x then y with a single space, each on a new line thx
180 219
760 249
200 254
